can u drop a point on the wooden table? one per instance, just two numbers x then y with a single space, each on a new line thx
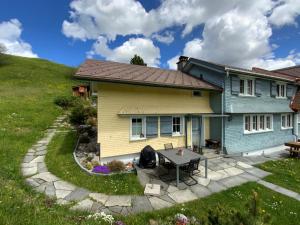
294 148
180 160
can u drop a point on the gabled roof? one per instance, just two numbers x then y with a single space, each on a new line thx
134 74
254 72
292 71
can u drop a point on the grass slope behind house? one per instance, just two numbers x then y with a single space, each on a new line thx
60 162
28 88
285 173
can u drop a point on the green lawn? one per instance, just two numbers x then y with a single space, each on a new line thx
283 210
60 162
28 87
285 173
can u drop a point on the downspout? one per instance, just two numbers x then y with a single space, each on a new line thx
222 113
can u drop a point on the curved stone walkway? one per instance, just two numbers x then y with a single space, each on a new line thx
223 173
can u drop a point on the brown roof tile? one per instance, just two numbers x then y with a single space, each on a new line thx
135 74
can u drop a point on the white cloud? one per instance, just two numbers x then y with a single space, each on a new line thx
10 37
285 13
140 46
172 62
236 32
244 43
166 37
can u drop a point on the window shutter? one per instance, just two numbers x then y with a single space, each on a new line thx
151 126
166 125
258 87
273 89
289 91
235 85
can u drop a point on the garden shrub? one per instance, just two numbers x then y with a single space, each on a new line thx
78 115
66 101
91 111
116 166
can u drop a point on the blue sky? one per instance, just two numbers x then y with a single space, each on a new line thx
232 33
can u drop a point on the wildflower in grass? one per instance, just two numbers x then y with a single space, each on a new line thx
181 219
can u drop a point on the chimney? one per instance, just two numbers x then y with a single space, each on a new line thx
181 63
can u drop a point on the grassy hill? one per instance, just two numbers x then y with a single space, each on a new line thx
28 87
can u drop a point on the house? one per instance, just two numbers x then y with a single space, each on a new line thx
139 106
256 101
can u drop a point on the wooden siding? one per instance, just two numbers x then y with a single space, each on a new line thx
114 130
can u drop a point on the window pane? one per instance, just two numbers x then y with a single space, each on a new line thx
242 82
278 90
283 124
250 87
262 122
137 127
268 118
247 123
176 124
254 122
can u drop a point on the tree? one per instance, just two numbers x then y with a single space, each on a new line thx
137 60
2 48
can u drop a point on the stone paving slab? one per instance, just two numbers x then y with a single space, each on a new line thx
84 205
77 195
99 197
46 176
200 191
118 200
63 185
141 204
158 203
182 196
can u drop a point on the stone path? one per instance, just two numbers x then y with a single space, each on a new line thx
223 173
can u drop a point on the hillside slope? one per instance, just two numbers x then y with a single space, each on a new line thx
28 87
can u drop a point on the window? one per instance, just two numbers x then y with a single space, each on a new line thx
246 87
151 126
137 128
197 93
281 91
177 125
257 123
286 121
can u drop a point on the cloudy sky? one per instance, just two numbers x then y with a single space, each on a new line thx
263 33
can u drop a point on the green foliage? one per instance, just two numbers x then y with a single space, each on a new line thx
116 166
66 101
137 60
78 115
285 172
60 162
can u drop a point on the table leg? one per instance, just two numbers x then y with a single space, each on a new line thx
177 175
205 168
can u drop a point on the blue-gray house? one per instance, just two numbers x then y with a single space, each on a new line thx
255 105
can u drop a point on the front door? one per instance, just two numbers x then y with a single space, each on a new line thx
196 131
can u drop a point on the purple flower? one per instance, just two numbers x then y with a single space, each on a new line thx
101 169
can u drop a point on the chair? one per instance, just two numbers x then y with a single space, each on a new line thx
167 165
168 146
190 169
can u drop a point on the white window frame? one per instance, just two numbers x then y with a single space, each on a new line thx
281 85
258 127
286 127
298 119
135 137
245 80
182 124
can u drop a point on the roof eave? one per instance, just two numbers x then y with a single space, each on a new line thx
79 77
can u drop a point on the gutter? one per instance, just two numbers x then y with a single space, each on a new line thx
227 69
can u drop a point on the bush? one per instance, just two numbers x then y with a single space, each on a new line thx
66 101
78 115
91 111
116 166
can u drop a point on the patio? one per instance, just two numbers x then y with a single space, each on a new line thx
223 173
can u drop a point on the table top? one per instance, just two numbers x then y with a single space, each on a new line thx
173 156
292 143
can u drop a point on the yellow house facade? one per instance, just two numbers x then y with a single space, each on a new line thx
135 113
119 105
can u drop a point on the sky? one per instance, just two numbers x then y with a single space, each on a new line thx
261 33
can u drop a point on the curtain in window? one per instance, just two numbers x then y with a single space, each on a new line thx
151 126
166 125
